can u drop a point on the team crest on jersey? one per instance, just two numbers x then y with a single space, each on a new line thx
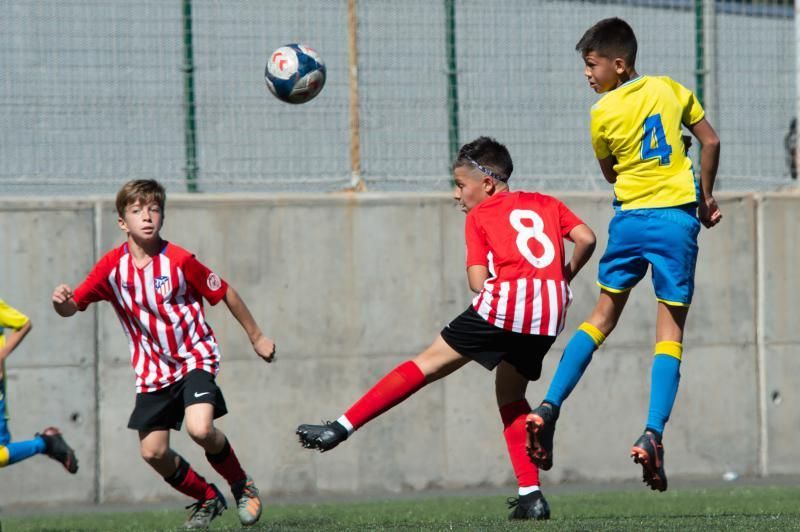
163 286
213 282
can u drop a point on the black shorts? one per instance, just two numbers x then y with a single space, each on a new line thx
164 409
473 337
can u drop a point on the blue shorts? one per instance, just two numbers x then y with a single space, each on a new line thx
5 435
665 239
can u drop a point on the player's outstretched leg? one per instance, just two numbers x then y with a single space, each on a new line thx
435 362
541 426
392 389
649 453
202 512
57 449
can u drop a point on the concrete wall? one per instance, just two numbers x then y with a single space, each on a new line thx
350 286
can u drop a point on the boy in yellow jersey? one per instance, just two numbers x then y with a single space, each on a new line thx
636 135
14 325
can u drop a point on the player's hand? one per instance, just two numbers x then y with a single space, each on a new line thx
709 212
265 348
62 294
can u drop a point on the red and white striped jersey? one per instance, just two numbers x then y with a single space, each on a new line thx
519 236
160 308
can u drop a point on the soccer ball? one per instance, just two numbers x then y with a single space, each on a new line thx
295 73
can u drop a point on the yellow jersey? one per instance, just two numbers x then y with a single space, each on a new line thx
639 123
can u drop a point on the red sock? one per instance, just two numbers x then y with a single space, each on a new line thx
392 389
226 464
513 415
188 482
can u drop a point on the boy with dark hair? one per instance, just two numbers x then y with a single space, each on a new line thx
516 264
157 291
636 136
49 441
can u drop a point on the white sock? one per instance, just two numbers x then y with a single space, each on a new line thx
527 490
343 421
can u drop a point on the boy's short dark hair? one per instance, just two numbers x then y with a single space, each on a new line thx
611 38
142 190
485 153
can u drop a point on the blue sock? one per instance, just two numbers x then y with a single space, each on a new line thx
574 361
20 450
664 379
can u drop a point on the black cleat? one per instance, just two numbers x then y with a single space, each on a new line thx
649 453
57 449
531 506
541 425
322 437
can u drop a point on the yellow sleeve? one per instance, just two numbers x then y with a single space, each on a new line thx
11 317
599 142
692 110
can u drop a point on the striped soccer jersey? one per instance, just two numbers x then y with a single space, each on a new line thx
519 236
160 307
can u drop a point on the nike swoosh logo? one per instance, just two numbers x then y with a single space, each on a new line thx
201 394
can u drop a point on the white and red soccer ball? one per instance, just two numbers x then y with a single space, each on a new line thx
295 73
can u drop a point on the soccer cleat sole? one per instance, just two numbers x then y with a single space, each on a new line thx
314 442
536 452
650 474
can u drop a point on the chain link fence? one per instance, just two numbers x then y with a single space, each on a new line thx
94 92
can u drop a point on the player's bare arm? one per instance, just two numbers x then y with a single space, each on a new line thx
63 302
708 210
607 167
13 339
476 276
585 241
263 346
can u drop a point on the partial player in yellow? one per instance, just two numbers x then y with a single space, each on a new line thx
14 325
636 132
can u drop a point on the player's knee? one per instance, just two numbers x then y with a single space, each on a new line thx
153 455
200 432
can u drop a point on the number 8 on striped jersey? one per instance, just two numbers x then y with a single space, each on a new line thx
525 233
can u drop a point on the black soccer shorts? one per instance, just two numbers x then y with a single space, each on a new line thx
164 409
473 337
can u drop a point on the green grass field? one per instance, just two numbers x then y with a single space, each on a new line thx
725 508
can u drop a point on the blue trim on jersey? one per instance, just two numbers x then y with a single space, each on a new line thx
663 240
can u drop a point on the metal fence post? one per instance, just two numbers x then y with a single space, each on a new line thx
190 125
452 78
